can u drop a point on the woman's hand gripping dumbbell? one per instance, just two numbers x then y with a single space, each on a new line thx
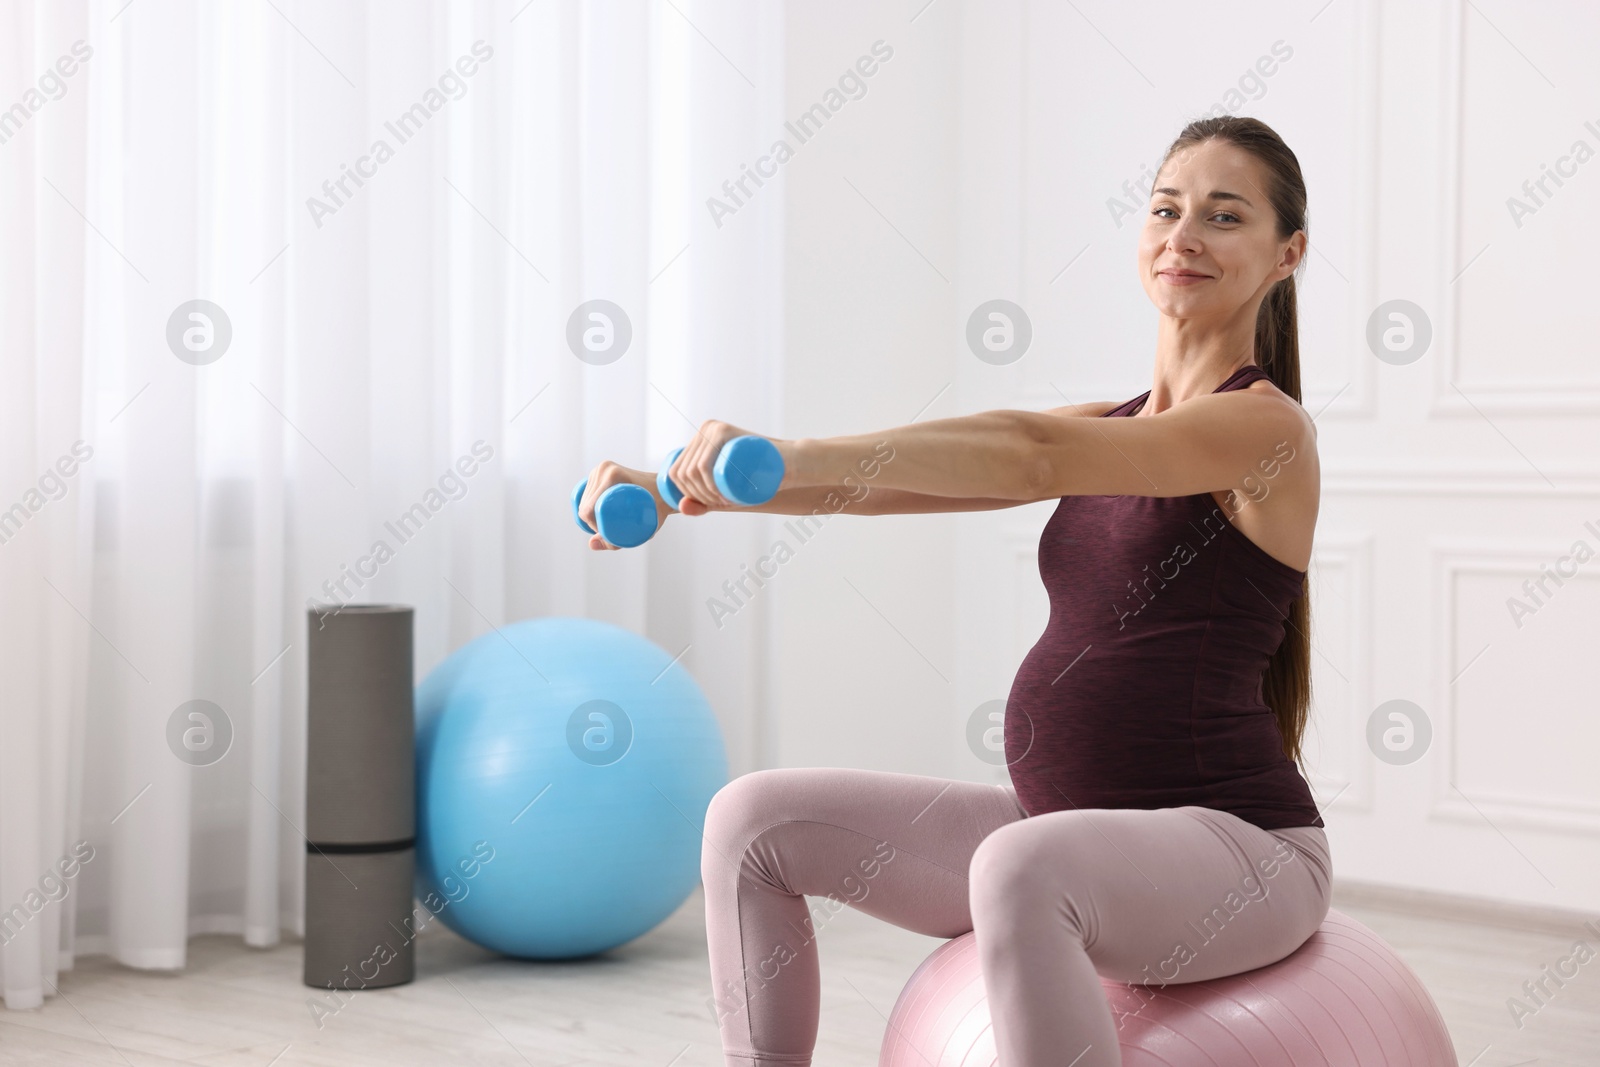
722 467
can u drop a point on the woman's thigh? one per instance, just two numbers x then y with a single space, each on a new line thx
1156 896
896 846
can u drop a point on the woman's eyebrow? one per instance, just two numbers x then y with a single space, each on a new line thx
1215 195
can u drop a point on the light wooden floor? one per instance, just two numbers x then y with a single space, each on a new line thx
645 1004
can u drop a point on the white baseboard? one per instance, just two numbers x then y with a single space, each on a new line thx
1460 907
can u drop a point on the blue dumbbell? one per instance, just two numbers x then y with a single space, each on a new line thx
748 472
626 514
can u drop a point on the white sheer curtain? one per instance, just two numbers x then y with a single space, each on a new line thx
172 511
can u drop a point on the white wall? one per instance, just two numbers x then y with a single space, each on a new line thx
864 658
988 148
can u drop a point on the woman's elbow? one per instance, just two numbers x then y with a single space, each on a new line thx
1034 470
1036 477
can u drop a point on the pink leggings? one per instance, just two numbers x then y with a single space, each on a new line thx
1142 896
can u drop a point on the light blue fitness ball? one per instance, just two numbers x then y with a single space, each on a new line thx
580 760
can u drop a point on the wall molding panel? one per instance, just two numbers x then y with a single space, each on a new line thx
1471 802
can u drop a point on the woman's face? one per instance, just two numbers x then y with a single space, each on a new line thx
1210 245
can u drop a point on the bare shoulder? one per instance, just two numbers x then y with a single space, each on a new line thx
1258 412
1280 408
1276 500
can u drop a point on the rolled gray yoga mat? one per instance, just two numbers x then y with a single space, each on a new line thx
360 798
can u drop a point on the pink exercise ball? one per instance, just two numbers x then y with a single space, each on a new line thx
1342 999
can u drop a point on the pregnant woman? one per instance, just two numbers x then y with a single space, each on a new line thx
1157 828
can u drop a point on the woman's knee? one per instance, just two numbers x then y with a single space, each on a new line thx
1014 888
738 812
739 806
1005 872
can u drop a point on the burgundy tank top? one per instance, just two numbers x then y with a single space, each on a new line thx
1145 689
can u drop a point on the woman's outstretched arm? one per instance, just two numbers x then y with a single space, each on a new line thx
862 493
1206 443
865 499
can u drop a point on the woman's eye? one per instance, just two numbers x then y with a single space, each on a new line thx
1227 216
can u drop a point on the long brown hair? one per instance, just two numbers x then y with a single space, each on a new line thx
1286 685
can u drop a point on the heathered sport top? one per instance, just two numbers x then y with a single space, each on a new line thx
1145 689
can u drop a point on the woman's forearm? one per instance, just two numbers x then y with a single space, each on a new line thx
987 455
859 499
807 499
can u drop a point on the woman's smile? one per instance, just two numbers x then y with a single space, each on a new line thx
1178 276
